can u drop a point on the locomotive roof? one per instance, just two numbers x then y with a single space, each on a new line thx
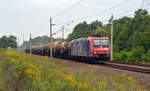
98 38
83 38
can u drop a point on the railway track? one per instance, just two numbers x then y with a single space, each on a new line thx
142 68
144 65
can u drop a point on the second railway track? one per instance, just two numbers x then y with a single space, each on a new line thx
142 68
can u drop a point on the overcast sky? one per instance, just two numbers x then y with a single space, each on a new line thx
25 16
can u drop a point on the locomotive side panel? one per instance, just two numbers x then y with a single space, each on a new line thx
79 47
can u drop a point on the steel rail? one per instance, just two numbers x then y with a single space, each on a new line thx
131 67
134 64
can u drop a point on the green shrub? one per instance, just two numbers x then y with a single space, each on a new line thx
135 55
131 58
1 49
146 57
120 56
116 56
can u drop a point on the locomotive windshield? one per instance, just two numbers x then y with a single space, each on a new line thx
100 43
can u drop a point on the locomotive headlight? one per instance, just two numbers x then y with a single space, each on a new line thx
107 52
94 52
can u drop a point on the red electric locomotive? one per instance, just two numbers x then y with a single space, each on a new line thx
94 48
100 47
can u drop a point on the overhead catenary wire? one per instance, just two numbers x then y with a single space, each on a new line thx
126 13
145 3
67 10
65 25
102 12
96 14
56 31
62 23
116 6
88 17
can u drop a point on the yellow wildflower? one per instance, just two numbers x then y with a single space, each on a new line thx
37 77
11 54
121 87
45 57
43 83
123 76
84 85
69 78
80 85
41 66
93 89
12 60
111 76
29 71
59 73
50 75
131 80
105 83
116 84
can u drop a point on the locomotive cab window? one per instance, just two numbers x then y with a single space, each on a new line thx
100 43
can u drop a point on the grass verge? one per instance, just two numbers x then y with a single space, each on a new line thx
24 72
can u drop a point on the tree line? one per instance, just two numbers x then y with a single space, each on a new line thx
8 41
40 40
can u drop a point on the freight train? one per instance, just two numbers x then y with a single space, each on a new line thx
87 49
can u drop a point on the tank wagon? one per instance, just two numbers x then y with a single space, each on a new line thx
88 48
